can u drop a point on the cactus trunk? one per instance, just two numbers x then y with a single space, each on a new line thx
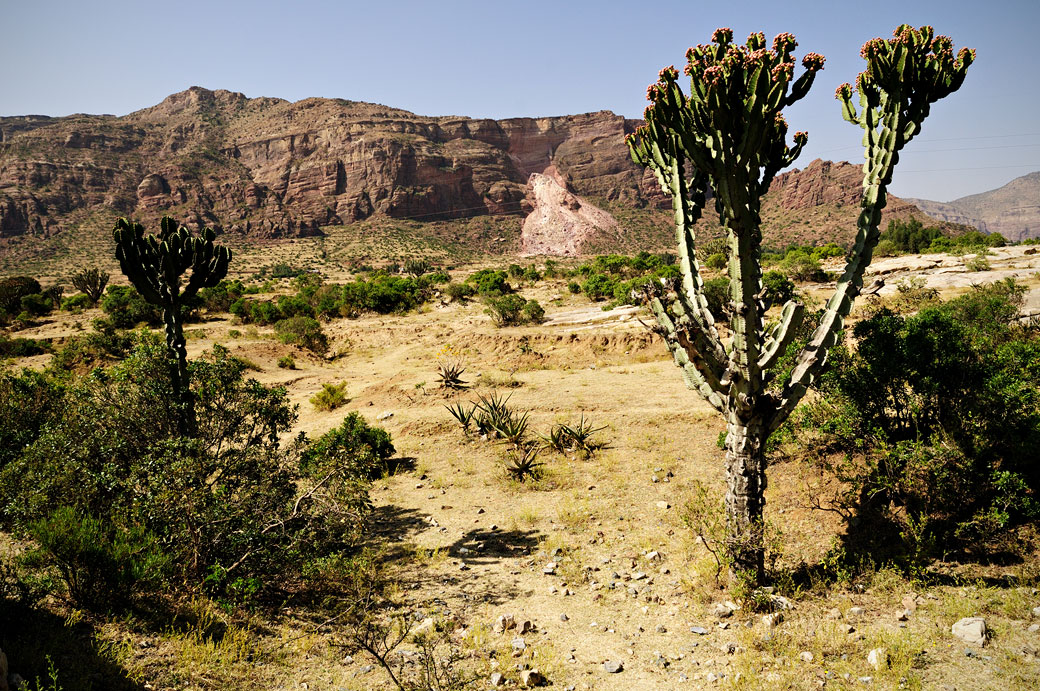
744 500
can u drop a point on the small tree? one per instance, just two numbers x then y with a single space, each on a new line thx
92 282
154 265
729 135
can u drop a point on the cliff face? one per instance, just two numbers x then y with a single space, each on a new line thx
266 167
1012 210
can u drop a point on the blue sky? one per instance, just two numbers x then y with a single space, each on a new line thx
506 59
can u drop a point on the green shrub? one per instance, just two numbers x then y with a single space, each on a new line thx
231 508
716 261
287 362
778 287
574 287
330 397
77 303
220 297
101 564
103 343
489 282
303 332
716 291
533 313
126 308
354 443
13 289
37 304
801 265
459 291
943 409
21 347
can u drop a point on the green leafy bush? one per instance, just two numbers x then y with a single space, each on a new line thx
232 508
287 362
937 416
21 347
489 282
126 308
459 291
13 289
716 292
330 397
77 303
303 332
355 443
513 310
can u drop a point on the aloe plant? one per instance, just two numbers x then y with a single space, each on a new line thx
154 265
729 135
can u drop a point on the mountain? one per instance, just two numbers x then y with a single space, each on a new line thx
270 168
263 168
1012 210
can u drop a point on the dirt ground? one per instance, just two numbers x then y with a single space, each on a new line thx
630 580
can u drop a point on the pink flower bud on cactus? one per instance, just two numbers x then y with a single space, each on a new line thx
813 62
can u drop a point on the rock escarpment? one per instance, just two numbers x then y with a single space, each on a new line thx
1012 210
266 167
561 223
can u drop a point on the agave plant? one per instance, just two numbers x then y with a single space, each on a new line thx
492 411
522 463
449 374
576 439
463 415
512 429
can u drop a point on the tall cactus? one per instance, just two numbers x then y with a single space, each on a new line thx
729 135
154 265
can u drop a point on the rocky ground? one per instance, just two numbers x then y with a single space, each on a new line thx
589 575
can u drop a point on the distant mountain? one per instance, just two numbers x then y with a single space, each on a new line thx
1012 210
263 168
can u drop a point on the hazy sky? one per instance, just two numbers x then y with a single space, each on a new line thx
507 59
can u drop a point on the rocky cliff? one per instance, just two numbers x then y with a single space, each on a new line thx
266 167
1012 210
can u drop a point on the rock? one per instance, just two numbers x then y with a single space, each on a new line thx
805 656
903 615
1033 628
652 556
424 626
1036 611
699 630
561 223
385 415
613 666
909 602
661 629
530 678
519 643
878 658
855 612
497 679
526 626
506 622
549 569
564 617
722 610
772 620
730 648
834 613
663 505
971 630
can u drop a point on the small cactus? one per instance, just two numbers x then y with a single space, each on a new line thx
154 265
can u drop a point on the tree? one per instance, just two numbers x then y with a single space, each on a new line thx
729 134
92 282
154 265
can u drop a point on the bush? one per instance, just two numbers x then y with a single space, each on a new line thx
365 448
716 261
229 507
100 564
37 304
126 308
944 409
22 347
303 332
459 291
778 288
489 283
801 265
513 310
13 289
287 362
716 291
220 297
330 397
77 303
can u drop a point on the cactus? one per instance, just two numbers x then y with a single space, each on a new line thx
91 282
154 265
729 134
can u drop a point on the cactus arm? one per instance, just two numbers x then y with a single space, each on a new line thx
781 336
699 373
901 81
